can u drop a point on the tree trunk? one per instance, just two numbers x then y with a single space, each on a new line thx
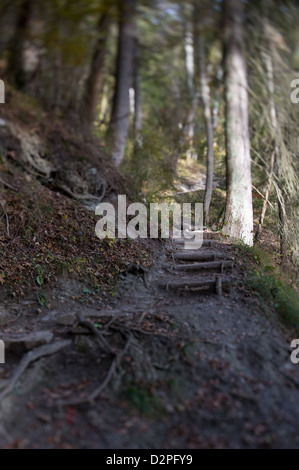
266 200
206 102
95 78
219 77
274 165
238 222
190 70
120 116
137 97
16 66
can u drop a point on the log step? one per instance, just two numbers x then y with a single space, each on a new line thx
219 265
180 241
219 284
196 256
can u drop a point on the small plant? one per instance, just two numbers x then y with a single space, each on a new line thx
40 275
143 398
42 299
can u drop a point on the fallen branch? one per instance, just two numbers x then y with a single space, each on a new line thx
30 357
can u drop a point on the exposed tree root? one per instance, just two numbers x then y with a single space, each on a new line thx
97 392
90 326
30 357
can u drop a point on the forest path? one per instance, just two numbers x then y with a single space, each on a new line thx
193 369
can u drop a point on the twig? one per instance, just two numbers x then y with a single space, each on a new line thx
12 241
270 204
120 328
7 185
96 393
7 219
91 327
149 309
32 356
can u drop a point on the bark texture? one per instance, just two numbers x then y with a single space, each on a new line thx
238 222
95 77
120 117
16 65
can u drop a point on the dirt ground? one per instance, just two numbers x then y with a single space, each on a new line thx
184 369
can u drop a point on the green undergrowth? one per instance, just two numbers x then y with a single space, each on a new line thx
273 285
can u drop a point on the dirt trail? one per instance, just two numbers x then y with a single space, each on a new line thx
192 370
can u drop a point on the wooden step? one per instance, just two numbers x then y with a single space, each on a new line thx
180 241
218 283
197 256
219 265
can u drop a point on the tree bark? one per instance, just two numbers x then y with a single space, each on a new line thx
95 78
120 116
274 164
16 65
193 96
219 77
238 222
138 122
206 102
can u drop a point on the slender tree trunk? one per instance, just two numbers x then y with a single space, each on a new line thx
189 130
95 78
138 98
120 116
206 102
276 153
274 164
217 98
238 222
267 196
189 54
16 65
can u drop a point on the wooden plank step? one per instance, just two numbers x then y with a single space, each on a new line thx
219 265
